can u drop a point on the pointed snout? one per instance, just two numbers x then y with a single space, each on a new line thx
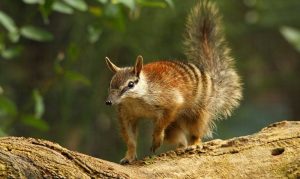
108 102
112 98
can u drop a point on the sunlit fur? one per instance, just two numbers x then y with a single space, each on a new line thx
182 98
139 91
205 47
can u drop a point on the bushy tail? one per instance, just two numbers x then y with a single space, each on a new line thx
205 47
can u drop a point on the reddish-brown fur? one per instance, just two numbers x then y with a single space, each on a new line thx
168 75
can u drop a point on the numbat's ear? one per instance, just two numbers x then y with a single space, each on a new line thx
138 65
111 66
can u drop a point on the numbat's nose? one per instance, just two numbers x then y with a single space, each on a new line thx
109 103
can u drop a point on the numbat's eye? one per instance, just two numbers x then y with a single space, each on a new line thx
130 84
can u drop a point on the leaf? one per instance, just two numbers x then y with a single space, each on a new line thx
94 34
58 69
14 36
73 51
11 52
116 14
34 122
46 9
128 3
39 107
292 35
112 11
34 1
8 22
77 4
35 33
95 10
77 77
7 107
170 3
62 8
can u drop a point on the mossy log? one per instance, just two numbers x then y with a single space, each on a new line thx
274 152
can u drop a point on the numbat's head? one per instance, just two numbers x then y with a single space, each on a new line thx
127 82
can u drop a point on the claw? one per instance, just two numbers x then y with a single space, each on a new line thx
124 161
155 146
156 142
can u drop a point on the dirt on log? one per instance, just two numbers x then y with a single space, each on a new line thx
274 152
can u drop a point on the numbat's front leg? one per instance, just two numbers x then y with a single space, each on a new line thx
129 134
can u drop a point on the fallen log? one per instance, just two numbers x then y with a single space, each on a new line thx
274 152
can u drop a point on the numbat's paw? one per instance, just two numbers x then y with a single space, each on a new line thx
194 147
125 160
155 145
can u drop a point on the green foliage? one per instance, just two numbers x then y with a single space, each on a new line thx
94 33
34 1
79 5
8 112
292 35
68 7
76 77
128 3
10 53
7 108
36 123
8 22
62 8
39 108
153 3
104 14
35 33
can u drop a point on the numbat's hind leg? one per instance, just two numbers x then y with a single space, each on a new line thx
174 134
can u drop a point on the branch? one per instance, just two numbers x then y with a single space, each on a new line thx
271 153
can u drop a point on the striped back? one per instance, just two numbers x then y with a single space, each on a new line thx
194 84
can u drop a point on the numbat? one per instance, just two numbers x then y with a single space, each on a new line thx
182 98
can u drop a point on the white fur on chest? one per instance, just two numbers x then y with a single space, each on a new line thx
138 108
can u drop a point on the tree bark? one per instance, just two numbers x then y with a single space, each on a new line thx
274 152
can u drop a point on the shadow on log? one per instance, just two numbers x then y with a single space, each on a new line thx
274 152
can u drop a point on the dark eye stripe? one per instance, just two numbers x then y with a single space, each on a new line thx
124 90
127 88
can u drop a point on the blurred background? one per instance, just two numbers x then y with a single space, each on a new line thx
54 80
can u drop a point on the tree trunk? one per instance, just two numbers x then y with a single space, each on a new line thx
274 152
